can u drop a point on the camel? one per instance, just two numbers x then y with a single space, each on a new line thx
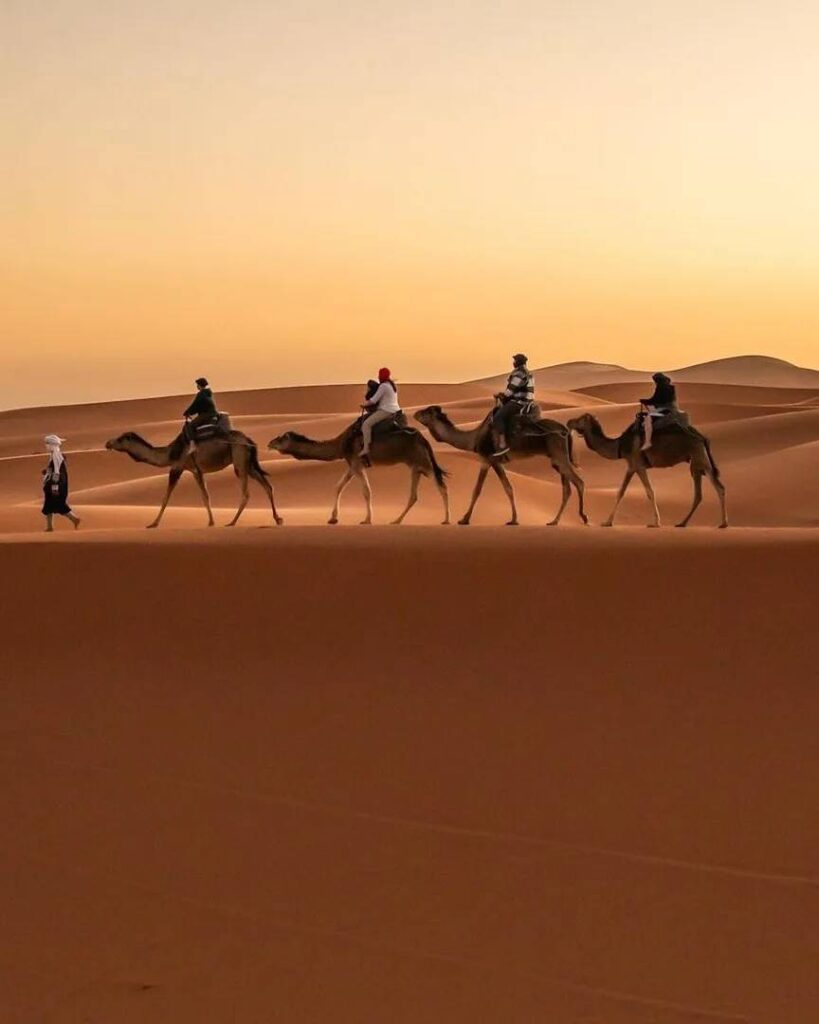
210 456
389 447
670 446
546 437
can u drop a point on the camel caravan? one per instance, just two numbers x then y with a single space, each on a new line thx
512 429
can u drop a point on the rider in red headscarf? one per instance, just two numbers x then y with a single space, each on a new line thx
381 406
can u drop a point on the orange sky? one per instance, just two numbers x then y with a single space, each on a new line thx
301 191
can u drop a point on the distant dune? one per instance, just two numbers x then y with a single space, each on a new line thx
572 376
757 371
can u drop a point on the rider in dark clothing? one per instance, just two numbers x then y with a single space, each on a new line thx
665 394
202 409
661 403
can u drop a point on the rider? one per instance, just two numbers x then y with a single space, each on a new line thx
382 405
520 391
661 403
202 409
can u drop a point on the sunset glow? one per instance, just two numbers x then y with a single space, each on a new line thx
297 192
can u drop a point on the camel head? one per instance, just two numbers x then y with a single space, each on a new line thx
581 424
122 443
286 442
430 415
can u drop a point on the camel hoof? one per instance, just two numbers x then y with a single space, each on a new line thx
722 526
279 521
332 522
680 526
652 526
445 522
151 526
584 520
463 522
608 523
553 522
512 522
366 522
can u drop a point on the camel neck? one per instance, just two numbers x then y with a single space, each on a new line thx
318 451
596 439
144 452
443 430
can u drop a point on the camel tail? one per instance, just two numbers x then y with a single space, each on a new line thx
438 470
253 452
714 466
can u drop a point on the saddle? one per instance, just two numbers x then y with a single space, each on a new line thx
527 420
672 418
219 426
669 418
397 423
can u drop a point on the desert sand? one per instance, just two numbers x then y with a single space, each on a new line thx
413 773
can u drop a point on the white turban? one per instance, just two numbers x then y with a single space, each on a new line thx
53 443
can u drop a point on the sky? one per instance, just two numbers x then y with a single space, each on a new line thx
300 192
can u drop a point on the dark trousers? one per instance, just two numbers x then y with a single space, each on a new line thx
503 418
198 421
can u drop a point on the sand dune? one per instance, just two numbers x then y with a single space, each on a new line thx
744 424
319 774
572 376
708 394
753 371
758 371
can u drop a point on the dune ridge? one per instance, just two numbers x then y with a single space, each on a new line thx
748 370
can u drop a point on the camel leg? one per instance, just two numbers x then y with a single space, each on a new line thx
506 483
348 476
415 476
262 480
620 493
203 487
696 476
643 475
567 493
719 487
443 490
368 497
577 480
173 480
476 491
244 499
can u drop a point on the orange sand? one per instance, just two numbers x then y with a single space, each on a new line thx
412 774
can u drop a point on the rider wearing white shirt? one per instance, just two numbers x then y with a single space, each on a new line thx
384 404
